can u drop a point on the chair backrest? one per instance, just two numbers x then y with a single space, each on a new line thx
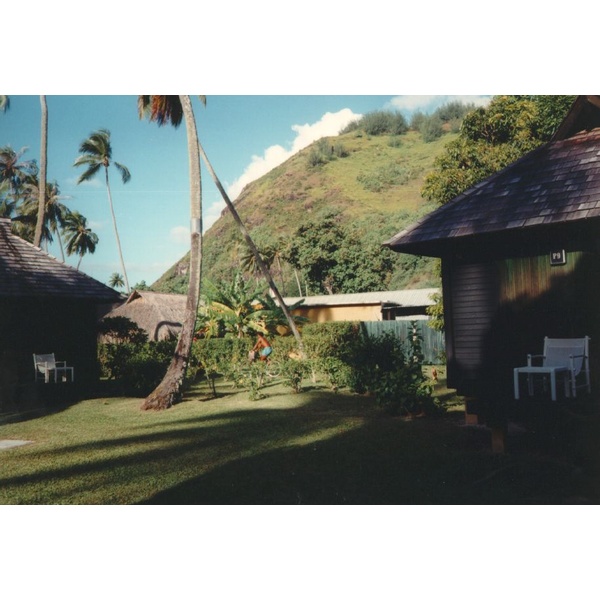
43 361
557 352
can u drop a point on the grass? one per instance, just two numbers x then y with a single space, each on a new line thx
316 447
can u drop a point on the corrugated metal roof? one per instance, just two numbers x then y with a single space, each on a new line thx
420 297
555 183
27 271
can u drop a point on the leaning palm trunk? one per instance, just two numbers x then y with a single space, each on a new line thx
41 216
169 389
114 220
259 261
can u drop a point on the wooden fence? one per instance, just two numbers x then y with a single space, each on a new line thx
433 341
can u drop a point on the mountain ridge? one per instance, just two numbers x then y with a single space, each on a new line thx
371 183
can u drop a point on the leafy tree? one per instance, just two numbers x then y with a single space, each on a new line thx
336 259
493 137
96 153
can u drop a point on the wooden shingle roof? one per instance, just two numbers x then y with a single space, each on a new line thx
556 183
26 272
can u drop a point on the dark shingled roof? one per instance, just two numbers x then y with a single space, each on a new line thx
555 183
27 271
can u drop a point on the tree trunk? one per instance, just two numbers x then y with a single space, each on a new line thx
257 257
114 220
41 216
169 389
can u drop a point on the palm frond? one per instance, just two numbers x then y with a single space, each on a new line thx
125 174
89 173
161 109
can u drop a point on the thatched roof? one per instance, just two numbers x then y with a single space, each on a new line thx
160 315
28 272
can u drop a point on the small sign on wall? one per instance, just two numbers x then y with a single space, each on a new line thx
558 257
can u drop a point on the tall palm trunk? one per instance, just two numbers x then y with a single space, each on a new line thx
114 219
41 216
259 261
169 389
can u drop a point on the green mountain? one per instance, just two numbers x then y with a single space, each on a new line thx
369 183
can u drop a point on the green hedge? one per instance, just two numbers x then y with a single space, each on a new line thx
341 353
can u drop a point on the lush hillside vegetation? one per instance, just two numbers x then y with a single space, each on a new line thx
365 186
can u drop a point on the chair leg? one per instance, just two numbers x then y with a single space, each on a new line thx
553 386
530 384
516 383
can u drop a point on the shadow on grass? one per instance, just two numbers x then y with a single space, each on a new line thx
326 449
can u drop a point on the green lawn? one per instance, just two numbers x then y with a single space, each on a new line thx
316 447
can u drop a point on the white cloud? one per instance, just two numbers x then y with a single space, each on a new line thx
211 214
329 124
180 235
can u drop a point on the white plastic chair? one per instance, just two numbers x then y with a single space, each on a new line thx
567 358
46 365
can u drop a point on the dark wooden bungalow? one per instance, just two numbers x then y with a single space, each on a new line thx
45 306
520 260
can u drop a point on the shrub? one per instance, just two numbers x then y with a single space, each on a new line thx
382 122
293 371
386 176
139 368
431 128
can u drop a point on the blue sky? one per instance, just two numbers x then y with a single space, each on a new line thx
243 136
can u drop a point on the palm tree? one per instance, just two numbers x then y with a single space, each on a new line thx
171 109
80 239
248 259
259 261
15 171
37 240
96 152
166 109
54 214
116 281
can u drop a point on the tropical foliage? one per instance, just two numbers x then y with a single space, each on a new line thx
240 308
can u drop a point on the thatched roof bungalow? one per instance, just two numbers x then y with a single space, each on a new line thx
45 306
160 315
